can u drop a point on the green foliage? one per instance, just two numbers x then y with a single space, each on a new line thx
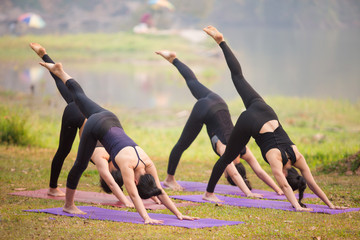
348 165
116 47
13 127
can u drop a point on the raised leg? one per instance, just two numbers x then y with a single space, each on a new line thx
246 92
197 89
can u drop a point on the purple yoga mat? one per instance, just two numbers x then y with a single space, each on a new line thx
96 198
233 190
133 217
256 203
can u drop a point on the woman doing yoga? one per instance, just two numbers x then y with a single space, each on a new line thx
138 171
73 119
260 122
211 110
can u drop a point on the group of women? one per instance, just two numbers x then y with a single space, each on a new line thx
120 161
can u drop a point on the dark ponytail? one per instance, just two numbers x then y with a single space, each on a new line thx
297 182
147 187
302 187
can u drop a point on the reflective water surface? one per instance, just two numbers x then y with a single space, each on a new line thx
296 63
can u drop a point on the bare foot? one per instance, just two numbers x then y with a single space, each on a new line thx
214 33
73 210
55 68
168 55
40 51
170 182
211 197
55 192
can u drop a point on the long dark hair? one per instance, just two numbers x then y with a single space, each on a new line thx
297 182
147 187
118 179
242 171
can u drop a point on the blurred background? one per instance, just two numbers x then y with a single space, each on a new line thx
286 47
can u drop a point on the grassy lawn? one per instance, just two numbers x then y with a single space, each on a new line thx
28 167
122 46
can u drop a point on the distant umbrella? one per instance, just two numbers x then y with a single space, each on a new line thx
32 75
157 4
32 20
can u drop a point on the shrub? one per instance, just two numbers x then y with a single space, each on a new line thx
13 128
348 165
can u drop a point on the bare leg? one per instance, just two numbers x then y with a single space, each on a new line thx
38 49
171 183
55 192
211 197
69 206
168 55
214 33
57 69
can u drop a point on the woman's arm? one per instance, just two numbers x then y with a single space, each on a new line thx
164 198
128 177
239 181
276 167
306 173
232 172
255 166
100 158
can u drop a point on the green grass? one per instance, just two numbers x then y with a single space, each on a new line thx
156 130
117 47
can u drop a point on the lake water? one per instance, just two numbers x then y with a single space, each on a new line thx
320 64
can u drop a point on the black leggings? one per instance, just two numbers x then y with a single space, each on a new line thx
99 121
196 120
65 93
249 123
196 88
210 109
72 120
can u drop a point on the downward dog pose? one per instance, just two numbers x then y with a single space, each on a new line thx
73 119
138 171
260 122
211 110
